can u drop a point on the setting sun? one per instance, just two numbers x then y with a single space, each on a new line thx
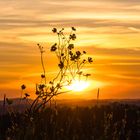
78 85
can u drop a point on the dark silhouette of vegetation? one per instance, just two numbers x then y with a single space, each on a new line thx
106 122
70 63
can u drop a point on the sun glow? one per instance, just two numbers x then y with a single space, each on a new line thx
78 85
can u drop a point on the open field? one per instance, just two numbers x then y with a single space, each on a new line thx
109 121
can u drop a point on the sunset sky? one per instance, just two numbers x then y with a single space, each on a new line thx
109 30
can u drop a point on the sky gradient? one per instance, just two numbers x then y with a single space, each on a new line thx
109 30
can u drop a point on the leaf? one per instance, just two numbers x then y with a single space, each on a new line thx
80 72
54 48
84 52
87 75
90 60
61 65
27 95
73 28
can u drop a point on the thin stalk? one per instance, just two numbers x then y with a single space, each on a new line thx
43 67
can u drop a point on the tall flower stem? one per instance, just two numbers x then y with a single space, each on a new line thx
43 67
42 62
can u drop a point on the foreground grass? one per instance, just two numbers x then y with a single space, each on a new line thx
106 122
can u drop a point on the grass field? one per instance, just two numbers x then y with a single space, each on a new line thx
112 121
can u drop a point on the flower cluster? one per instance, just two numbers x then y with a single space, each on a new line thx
70 65
72 36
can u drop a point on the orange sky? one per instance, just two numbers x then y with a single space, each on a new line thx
109 30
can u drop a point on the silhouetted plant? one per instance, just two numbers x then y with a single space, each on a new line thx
70 63
9 101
